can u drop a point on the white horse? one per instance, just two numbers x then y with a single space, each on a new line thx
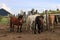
30 19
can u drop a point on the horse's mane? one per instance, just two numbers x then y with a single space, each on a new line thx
20 16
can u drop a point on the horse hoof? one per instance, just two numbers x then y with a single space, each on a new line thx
20 31
17 31
39 32
34 32
53 31
11 30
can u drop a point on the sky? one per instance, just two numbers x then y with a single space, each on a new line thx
14 6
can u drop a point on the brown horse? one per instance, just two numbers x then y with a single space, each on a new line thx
16 21
51 21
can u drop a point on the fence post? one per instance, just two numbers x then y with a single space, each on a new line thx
47 20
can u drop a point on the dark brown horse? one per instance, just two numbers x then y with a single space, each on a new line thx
16 21
39 21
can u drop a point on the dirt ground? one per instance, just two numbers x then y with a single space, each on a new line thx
46 35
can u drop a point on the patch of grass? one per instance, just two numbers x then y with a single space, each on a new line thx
4 21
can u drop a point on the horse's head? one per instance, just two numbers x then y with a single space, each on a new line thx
21 18
41 18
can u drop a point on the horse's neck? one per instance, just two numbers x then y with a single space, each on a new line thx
32 17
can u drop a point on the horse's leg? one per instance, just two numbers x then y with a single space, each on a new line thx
35 29
20 28
52 27
28 27
10 27
13 28
39 28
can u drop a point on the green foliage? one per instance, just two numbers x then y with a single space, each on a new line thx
0 18
4 20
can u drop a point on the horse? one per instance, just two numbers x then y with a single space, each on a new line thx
39 21
52 21
30 20
16 21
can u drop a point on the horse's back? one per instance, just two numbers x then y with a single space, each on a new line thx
13 19
32 17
